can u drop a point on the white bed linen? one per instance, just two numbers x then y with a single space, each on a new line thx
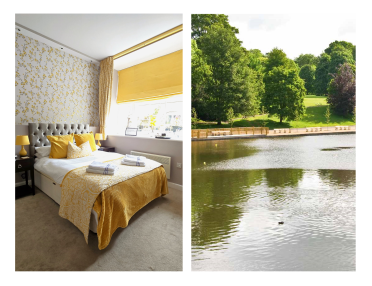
56 169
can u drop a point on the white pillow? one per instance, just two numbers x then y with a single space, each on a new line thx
39 155
42 151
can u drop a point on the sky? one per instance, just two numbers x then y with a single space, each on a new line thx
295 34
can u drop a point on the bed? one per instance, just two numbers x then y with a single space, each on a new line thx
94 201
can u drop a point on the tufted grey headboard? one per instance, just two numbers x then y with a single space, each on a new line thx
38 132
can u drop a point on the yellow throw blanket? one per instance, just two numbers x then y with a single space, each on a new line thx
116 205
81 189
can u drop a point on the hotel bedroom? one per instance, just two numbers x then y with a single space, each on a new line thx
98 135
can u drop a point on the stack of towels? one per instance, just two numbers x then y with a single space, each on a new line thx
131 160
102 168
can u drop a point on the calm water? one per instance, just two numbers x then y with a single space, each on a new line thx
241 189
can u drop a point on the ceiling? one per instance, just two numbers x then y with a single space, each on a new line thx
97 36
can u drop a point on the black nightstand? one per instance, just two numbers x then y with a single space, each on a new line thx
107 149
25 165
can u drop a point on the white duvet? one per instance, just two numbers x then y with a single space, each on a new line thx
56 169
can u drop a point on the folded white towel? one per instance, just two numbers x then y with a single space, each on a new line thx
102 172
131 158
102 166
140 164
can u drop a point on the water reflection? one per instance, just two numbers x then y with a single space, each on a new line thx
235 213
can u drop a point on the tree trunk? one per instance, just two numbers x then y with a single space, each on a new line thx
281 119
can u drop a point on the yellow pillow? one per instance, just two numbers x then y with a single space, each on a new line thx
74 151
82 138
59 145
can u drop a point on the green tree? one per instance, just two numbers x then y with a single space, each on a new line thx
284 93
339 46
201 74
307 73
229 66
256 60
322 76
342 91
194 118
338 58
276 58
201 22
327 115
230 116
306 59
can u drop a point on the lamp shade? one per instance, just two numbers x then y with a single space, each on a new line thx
22 140
98 136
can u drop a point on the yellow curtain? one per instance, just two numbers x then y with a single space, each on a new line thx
155 79
105 89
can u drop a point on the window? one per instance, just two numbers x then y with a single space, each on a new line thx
150 117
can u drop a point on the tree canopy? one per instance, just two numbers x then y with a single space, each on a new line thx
339 46
200 72
229 66
322 76
307 73
306 59
284 89
342 90
201 22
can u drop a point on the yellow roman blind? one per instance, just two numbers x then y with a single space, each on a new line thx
156 79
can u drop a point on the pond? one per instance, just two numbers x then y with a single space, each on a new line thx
274 204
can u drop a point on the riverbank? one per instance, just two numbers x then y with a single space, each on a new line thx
294 132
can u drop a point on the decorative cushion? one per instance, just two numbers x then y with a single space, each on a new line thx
74 151
59 145
82 138
39 156
42 151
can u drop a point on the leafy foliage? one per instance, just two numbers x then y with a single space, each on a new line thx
229 65
284 93
201 73
322 76
307 73
194 118
230 116
201 22
306 59
277 58
339 46
338 58
342 91
256 60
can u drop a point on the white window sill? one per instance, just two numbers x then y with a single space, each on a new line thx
148 138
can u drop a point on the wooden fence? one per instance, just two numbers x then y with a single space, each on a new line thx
204 133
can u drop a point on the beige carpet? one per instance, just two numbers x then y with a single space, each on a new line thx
151 242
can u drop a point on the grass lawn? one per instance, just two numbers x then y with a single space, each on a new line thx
315 109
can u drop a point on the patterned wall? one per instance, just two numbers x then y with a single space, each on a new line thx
53 86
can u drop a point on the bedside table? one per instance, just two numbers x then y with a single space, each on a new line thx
25 165
107 149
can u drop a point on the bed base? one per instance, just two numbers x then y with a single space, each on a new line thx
54 191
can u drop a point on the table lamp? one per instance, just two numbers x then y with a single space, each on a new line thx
22 140
98 137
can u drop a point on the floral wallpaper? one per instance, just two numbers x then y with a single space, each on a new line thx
53 86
